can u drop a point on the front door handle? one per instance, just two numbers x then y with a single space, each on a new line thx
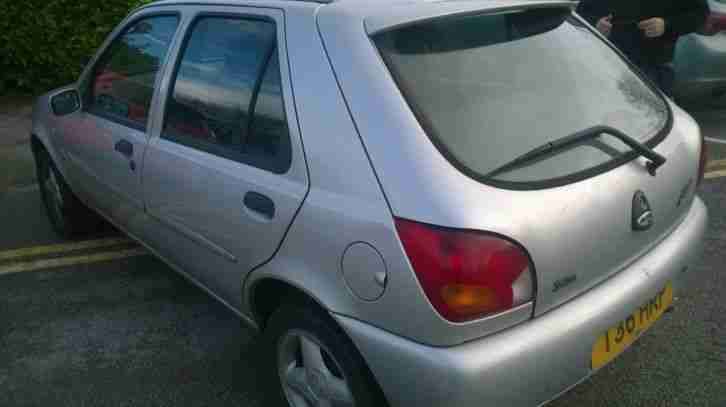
260 204
124 147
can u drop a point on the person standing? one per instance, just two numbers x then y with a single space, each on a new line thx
646 31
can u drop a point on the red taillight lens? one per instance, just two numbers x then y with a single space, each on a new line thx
715 23
467 274
702 160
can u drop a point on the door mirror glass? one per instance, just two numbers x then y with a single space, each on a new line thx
65 102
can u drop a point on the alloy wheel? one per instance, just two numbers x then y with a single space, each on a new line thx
309 373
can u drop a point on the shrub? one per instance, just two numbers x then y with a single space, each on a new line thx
42 42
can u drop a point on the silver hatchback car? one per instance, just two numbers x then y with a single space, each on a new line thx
418 203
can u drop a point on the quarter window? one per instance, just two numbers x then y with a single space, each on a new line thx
122 83
226 98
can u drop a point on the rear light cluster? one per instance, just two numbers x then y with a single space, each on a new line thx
715 23
467 274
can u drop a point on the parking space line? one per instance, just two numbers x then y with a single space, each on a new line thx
715 163
35 265
62 248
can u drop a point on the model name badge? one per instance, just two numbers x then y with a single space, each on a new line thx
563 282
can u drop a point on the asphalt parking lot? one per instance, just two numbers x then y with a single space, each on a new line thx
102 323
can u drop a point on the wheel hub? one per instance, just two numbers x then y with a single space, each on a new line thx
306 378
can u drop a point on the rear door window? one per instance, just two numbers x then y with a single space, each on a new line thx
488 88
226 98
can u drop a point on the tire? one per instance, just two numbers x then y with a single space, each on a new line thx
68 216
342 376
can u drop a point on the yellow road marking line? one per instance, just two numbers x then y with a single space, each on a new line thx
715 174
71 261
715 163
62 248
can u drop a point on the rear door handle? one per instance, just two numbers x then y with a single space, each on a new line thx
260 204
124 147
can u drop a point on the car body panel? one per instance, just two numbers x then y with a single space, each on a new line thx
700 69
102 173
196 199
346 197
534 362
700 65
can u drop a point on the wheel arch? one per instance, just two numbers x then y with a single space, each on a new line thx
263 302
267 294
42 144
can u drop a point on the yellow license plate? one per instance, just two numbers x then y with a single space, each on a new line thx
621 335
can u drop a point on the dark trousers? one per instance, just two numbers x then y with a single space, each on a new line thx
662 74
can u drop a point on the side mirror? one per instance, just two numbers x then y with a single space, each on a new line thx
65 102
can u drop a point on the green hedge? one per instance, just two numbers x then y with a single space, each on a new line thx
42 42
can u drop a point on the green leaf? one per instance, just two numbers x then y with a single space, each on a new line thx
40 40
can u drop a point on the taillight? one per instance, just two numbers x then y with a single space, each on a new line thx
467 274
715 23
702 160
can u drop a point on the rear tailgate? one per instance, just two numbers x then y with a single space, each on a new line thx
473 85
594 236
435 118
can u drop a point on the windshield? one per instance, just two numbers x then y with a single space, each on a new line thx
488 88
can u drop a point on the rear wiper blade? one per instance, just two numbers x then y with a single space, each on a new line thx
656 160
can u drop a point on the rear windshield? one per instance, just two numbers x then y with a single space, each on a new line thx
488 88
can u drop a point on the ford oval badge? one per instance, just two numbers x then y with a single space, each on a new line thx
642 213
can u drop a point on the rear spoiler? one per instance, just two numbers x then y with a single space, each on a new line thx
402 15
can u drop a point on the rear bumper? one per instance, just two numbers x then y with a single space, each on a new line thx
533 362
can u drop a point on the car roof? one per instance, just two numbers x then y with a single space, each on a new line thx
349 3
231 2
379 15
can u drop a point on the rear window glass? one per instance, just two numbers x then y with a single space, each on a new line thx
488 88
